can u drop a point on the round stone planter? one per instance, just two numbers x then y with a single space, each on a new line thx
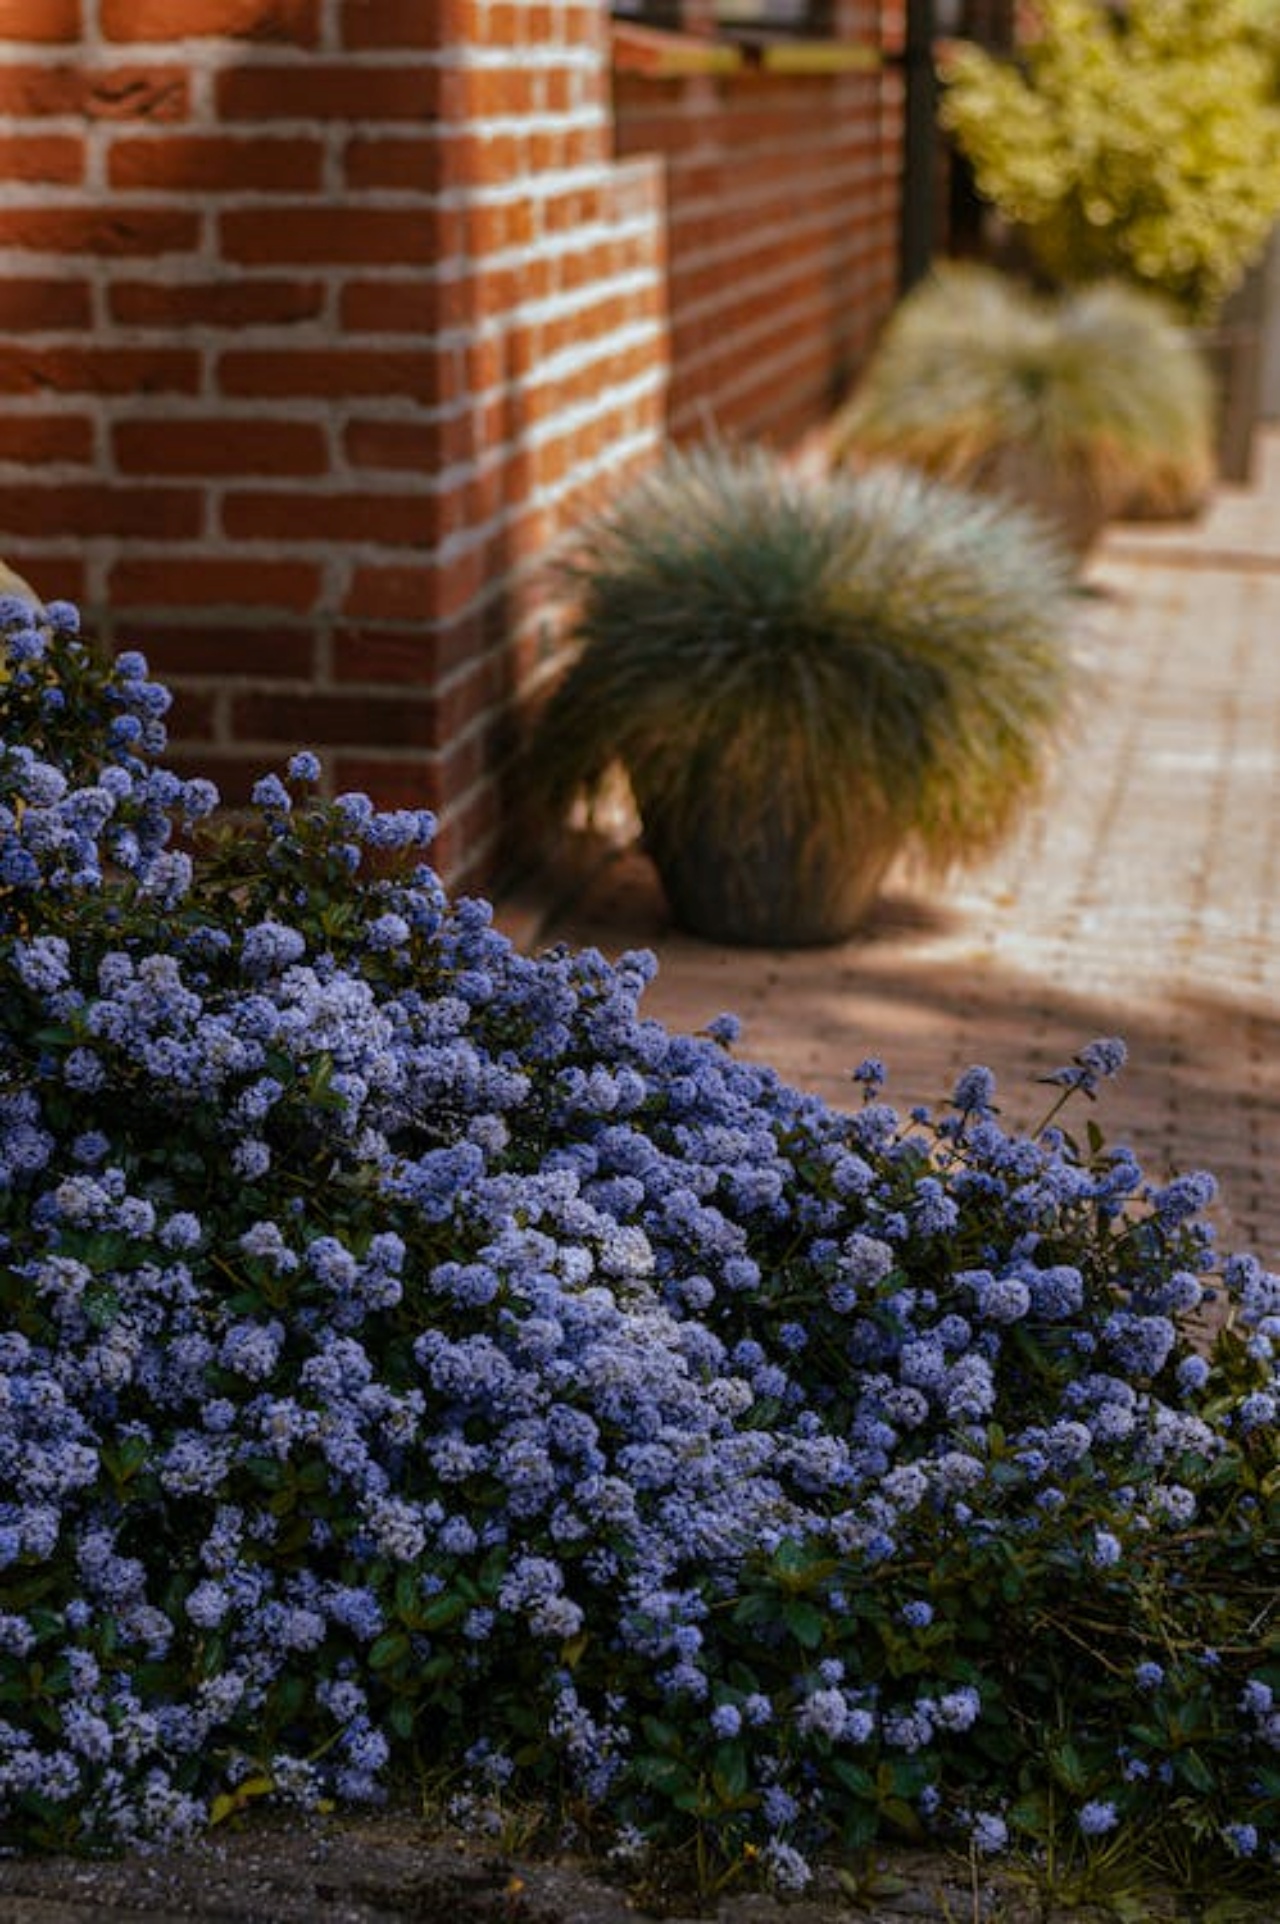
1062 492
767 885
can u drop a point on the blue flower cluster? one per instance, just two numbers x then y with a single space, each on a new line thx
411 1352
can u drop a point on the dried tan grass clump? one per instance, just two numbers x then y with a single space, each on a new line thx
1085 407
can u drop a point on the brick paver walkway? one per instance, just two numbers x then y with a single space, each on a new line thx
1142 898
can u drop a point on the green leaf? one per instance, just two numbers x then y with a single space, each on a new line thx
859 1827
1031 1815
1129 1908
806 1624
730 1772
666 1774
874 1883
392 1647
903 1816
408 1598
756 1609
575 1650
291 1697
401 1717
1190 1765
1068 1767
854 1778
438 1612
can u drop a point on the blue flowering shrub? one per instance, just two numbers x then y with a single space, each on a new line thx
416 1363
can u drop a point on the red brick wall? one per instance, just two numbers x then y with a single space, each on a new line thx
319 319
783 212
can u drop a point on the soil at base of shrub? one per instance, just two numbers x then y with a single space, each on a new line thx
364 1869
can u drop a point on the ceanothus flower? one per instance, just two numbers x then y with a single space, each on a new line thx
1256 1411
1057 1291
726 1720
207 1603
824 1712
974 1092
1106 1550
1257 1699
956 1710
1173 1502
43 963
265 1242
269 948
252 1350
1097 1062
181 1232
989 1834
786 1869
458 1317
270 793
1184 1197
388 931
933 1211
999 1299
1141 1344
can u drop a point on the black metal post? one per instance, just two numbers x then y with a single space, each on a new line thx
920 146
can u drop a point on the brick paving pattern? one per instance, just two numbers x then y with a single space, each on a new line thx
1140 899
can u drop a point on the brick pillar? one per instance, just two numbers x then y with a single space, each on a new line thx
321 320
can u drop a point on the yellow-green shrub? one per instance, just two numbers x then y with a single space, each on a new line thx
1144 143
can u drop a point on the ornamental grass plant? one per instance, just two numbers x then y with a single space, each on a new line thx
418 1366
801 681
1084 406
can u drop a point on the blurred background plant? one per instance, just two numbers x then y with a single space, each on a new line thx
1262 29
801 680
12 583
1141 140
1084 406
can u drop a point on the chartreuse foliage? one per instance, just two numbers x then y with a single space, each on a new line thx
1141 141
413 1359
